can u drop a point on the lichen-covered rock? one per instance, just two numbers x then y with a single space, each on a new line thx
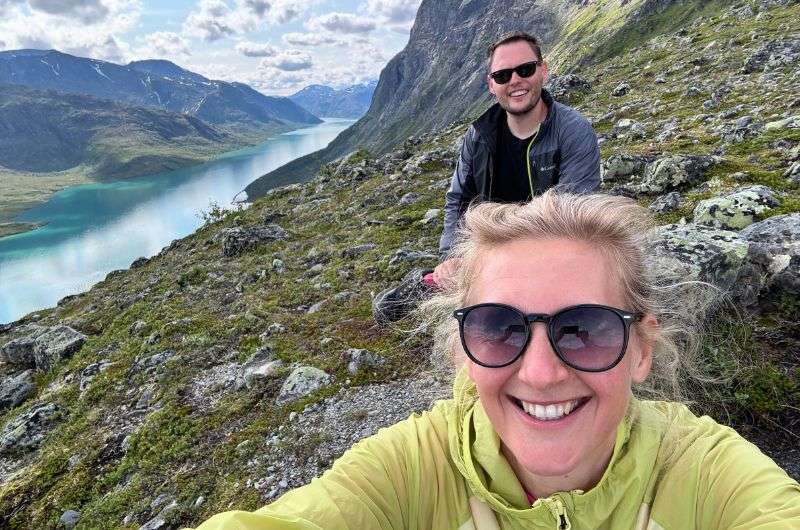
237 240
15 389
619 167
793 173
735 210
19 351
621 89
359 359
60 342
303 381
782 231
673 172
666 203
698 252
564 87
26 432
779 239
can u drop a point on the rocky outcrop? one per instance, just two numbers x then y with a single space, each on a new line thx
238 240
43 348
303 381
27 431
735 210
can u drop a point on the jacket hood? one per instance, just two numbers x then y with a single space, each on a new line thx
476 451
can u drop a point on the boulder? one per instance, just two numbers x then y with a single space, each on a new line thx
409 198
673 172
782 231
667 203
257 370
60 342
15 389
69 519
303 381
564 87
19 351
359 359
238 240
698 252
27 431
618 167
735 210
779 238
394 303
621 89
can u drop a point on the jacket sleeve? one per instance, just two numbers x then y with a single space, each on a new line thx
580 157
375 484
743 489
461 192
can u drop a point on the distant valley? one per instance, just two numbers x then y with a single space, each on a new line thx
350 102
66 120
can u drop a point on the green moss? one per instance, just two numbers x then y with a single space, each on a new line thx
766 390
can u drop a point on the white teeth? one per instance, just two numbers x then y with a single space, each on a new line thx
519 92
549 412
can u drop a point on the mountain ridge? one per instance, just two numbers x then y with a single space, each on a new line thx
348 102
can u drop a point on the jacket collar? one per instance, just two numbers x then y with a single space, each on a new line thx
488 122
476 451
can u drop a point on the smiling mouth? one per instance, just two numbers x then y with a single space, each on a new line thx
551 411
518 93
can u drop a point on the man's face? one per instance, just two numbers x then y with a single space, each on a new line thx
521 94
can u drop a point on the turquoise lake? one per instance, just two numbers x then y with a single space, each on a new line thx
96 228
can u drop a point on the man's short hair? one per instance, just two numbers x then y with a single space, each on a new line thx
514 36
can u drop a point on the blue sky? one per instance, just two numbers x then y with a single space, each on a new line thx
276 46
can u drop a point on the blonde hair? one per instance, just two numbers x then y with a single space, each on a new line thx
619 229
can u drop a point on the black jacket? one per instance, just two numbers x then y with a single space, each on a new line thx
564 154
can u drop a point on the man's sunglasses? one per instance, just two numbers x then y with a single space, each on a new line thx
501 77
587 337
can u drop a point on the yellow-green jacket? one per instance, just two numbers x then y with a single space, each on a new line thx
444 469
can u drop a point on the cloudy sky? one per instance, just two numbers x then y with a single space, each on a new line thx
276 46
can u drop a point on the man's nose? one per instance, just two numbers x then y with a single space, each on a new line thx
540 365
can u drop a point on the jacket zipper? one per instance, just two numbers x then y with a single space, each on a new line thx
560 513
528 159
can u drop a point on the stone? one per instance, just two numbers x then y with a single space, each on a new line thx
666 203
316 307
618 167
19 351
55 344
621 89
698 252
236 241
394 303
276 328
27 431
792 122
261 367
772 55
151 362
793 173
409 198
360 359
160 520
673 172
781 231
563 87
69 519
303 381
278 265
15 389
89 373
431 215
735 210
352 252
405 255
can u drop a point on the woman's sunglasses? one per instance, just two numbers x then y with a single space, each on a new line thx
587 337
501 77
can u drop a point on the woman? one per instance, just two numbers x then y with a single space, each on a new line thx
555 322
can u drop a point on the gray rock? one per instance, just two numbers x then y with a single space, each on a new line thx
316 307
89 373
302 382
151 362
431 215
563 87
621 89
278 265
772 55
409 198
781 231
360 359
352 252
405 255
792 122
735 210
793 173
698 252
622 166
257 370
69 519
15 389
666 203
673 172
27 431
160 520
237 240
60 342
276 328
19 351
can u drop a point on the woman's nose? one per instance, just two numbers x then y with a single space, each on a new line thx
540 366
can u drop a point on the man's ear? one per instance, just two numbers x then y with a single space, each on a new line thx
644 344
545 72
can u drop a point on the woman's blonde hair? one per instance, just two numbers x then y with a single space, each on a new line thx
619 229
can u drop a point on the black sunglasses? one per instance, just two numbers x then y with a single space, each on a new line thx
587 337
503 76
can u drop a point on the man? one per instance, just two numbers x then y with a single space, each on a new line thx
524 144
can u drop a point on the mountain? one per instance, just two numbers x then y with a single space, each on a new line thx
157 83
440 76
163 394
45 131
349 102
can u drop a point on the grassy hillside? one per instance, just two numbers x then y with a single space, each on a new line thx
149 409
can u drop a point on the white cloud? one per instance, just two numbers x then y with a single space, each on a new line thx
311 39
288 61
217 19
255 49
342 23
212 22
165 44
394 11
87 11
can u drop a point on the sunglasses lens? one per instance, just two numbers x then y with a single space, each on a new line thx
590 338
502 76
494 335
526 70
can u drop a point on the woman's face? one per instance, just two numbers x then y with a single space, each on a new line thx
543 277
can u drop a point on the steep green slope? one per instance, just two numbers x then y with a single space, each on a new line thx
151 405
